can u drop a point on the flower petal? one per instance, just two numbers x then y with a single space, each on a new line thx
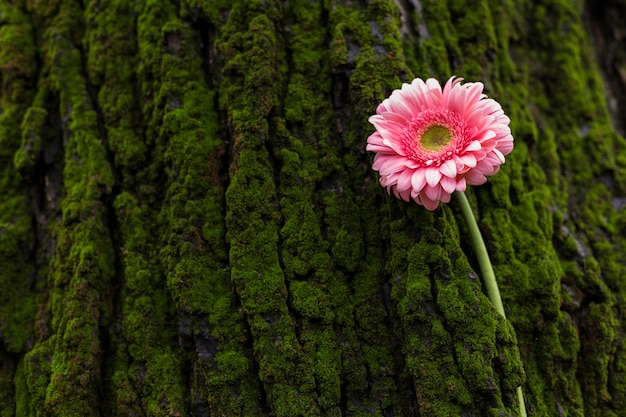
394 117
505 145
448 184
499 155
405 195
485 136
434 193
378 148
474 177
474 91
461 184
469 160
433 175
400 105
418 180
393 139
448 168
474 146
391 165
428 203
457 99
404 181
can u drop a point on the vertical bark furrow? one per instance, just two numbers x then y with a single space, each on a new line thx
18 71
224 381
112 58
81 268
317 297
456 345
253 71
138 362
586 147
366 60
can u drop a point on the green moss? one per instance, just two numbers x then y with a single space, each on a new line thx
16 301
29 153
82 262
451 329
170 294
111 46
147 309
38 369
17 273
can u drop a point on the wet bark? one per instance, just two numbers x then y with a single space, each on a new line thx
189 222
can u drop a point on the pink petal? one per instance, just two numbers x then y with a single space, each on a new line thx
378 148
390 164
461 184
375 138
448 168
434 193
428 203
413 95
484 123
394 117
378 120
448 184
475 178
445 95
469 160
375 119
502 118
399 105
488 144
393 140
457 99
499 155
505 146
428 91
480 155
501 130
485 136
383 182
491 106
491 159
418 180
405 195
375 144
395 192
433 175
433 85
404 181
474 91
474 146
433 93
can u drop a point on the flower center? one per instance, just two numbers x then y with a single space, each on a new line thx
435 137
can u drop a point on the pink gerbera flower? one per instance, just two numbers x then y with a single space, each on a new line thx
431 142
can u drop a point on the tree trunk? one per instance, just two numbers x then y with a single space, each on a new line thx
190 225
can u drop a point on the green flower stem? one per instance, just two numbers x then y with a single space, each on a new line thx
489 278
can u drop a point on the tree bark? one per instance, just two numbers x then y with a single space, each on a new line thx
189 222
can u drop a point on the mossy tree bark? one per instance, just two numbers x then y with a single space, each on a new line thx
189 224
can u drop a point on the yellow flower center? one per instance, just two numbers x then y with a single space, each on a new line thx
435 137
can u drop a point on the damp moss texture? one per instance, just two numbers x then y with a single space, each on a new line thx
190 226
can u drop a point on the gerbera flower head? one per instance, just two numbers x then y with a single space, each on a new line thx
430 142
